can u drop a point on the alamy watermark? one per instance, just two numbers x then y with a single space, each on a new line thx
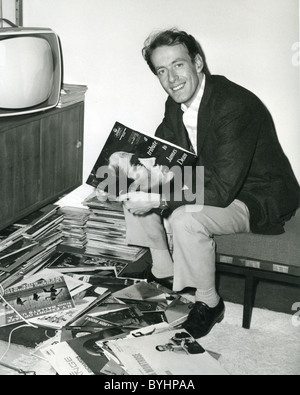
187 184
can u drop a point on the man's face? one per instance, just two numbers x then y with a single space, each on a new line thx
178 74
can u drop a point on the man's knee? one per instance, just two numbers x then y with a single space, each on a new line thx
183 220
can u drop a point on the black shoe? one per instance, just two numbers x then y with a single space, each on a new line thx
164 281
202 318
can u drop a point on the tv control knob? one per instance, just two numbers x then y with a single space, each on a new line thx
79 144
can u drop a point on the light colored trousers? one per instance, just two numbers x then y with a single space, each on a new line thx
192 229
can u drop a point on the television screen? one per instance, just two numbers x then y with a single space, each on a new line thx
30 70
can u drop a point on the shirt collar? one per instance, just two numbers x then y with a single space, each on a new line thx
196 102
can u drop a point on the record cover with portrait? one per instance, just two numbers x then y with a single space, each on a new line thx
125 140
171 352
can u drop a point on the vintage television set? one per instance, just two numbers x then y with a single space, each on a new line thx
31 70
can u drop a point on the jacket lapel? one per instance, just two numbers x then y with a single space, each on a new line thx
182 135
204 116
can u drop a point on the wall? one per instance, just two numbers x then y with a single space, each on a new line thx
8 10
248 41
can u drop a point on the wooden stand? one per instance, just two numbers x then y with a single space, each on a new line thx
41 158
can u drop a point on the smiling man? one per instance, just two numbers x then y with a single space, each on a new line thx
248 186
179 76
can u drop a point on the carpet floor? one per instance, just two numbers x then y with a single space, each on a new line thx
270 347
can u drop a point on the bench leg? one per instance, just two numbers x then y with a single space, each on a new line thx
249 293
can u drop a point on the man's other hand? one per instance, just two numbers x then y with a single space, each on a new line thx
140 203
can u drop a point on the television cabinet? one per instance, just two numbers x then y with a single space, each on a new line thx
41 158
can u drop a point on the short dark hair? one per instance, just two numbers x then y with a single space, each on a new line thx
172 37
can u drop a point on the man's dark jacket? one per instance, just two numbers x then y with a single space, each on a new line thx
239 149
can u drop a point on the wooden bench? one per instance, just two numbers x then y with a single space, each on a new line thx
275 258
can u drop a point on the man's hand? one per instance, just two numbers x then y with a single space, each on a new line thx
140 203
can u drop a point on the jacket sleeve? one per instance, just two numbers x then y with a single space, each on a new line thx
225 172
